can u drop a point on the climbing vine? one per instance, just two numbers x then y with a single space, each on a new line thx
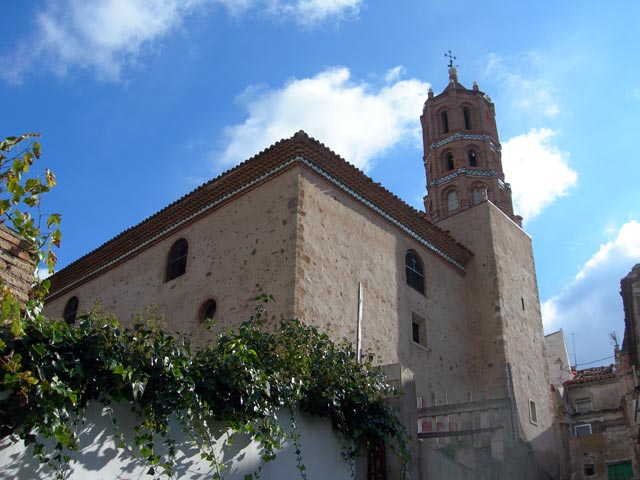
50 372
53 371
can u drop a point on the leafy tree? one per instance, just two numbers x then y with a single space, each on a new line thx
20 196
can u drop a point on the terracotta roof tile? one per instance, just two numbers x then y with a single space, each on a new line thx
225 187
592 375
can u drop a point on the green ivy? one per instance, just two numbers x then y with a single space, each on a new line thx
53 371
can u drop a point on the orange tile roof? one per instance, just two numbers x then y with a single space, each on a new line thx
297 150
592 375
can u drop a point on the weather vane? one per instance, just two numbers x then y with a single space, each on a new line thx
451 59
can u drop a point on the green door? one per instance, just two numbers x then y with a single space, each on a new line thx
620 471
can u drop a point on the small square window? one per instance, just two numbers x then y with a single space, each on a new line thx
418 329
582 429
583 405
589 469
533 413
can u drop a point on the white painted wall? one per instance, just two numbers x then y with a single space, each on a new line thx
101 460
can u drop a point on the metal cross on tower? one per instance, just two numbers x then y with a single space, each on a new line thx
451 59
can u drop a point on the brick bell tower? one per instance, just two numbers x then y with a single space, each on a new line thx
462 155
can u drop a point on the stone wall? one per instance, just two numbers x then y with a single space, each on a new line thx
241 249
557 359
630 292
340 244
301 239
508 355
16 266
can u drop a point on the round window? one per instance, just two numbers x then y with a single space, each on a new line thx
207 310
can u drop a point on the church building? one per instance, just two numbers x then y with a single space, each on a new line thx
446 298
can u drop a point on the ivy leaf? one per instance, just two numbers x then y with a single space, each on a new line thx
39 349
51 178
138 388
17 327
54 219
27 160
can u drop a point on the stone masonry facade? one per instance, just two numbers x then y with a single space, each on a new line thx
297 221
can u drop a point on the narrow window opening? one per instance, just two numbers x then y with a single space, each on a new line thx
467 118
177 260
452 200
522 301
71 310
418 329
445 122
450 165
479 194
533 413
473 160
414 271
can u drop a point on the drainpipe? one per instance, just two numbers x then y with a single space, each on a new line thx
359 326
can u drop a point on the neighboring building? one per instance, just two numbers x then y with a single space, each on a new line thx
449 298
630 292
601 435
598 406
17 268
558 359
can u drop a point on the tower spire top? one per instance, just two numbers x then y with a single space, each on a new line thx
451 57
453 73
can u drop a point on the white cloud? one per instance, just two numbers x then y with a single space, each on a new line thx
103 36
590 306
538 172
312 11
626 244
528 91
394 74
357 121
106 36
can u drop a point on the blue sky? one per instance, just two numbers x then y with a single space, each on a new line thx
140 101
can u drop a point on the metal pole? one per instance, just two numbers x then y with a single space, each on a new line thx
359 329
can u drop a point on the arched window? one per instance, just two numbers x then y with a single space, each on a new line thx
177 260
452 200
445 122
414 271
479 194
467 118
473 159
71 310
450 165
